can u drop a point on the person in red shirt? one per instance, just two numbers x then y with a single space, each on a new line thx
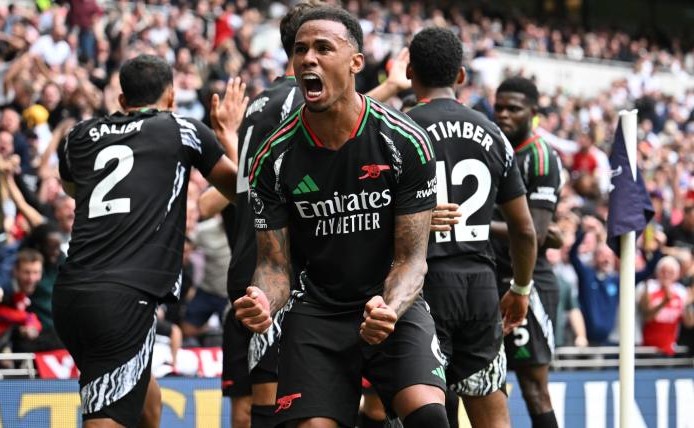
662 302
27 272
584 160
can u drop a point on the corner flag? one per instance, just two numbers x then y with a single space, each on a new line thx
630 207
630 210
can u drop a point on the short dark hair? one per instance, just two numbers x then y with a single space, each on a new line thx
520 85
290 22
436 55
144 78
332 13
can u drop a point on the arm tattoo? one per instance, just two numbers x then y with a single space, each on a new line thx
406 277
273 270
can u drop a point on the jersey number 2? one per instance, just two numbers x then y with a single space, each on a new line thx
98 207
463 231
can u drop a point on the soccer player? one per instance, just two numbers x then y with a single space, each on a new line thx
352 184
128 173
530 347
258 387
475 169
263 114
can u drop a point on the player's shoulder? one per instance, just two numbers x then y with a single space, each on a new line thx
282 134
545 159
182 121
282 85
80 130
392 122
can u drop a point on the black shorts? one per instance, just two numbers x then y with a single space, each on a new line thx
109 331
465 307
532 343
323 358
236 379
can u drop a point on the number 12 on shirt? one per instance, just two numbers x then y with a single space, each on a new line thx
463 231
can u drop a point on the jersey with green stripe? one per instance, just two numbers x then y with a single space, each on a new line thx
476 169
540 168
340 205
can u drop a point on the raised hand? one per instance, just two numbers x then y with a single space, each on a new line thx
397 75
226 114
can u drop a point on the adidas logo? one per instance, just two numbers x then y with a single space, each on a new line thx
438 371
306 185
522 353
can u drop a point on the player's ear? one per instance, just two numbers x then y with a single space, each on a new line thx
122 101
408 71
169 97
533 110
357 63
460 79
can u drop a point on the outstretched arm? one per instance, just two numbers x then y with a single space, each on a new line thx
270 286
226 115
405 280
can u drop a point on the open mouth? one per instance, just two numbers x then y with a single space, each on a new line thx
312 85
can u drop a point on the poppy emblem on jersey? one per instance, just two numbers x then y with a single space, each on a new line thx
256 202
283 403
373 171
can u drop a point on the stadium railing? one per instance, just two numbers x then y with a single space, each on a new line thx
607 357
23 365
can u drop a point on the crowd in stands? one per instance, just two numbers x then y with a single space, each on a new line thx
59 62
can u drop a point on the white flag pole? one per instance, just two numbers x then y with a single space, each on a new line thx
627 305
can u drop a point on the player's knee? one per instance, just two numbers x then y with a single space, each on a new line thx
429 415
241 417
242 420
262 416
373 408
536 396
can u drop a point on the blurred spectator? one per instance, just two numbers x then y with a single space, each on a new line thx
11 122
46 239
571 328
682 235
82 17
211 294
53 48
584 161
663 302
14 317
64 211
598 283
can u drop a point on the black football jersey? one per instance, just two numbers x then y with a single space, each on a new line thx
475 168
540 168
340 205
131 177
263 114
